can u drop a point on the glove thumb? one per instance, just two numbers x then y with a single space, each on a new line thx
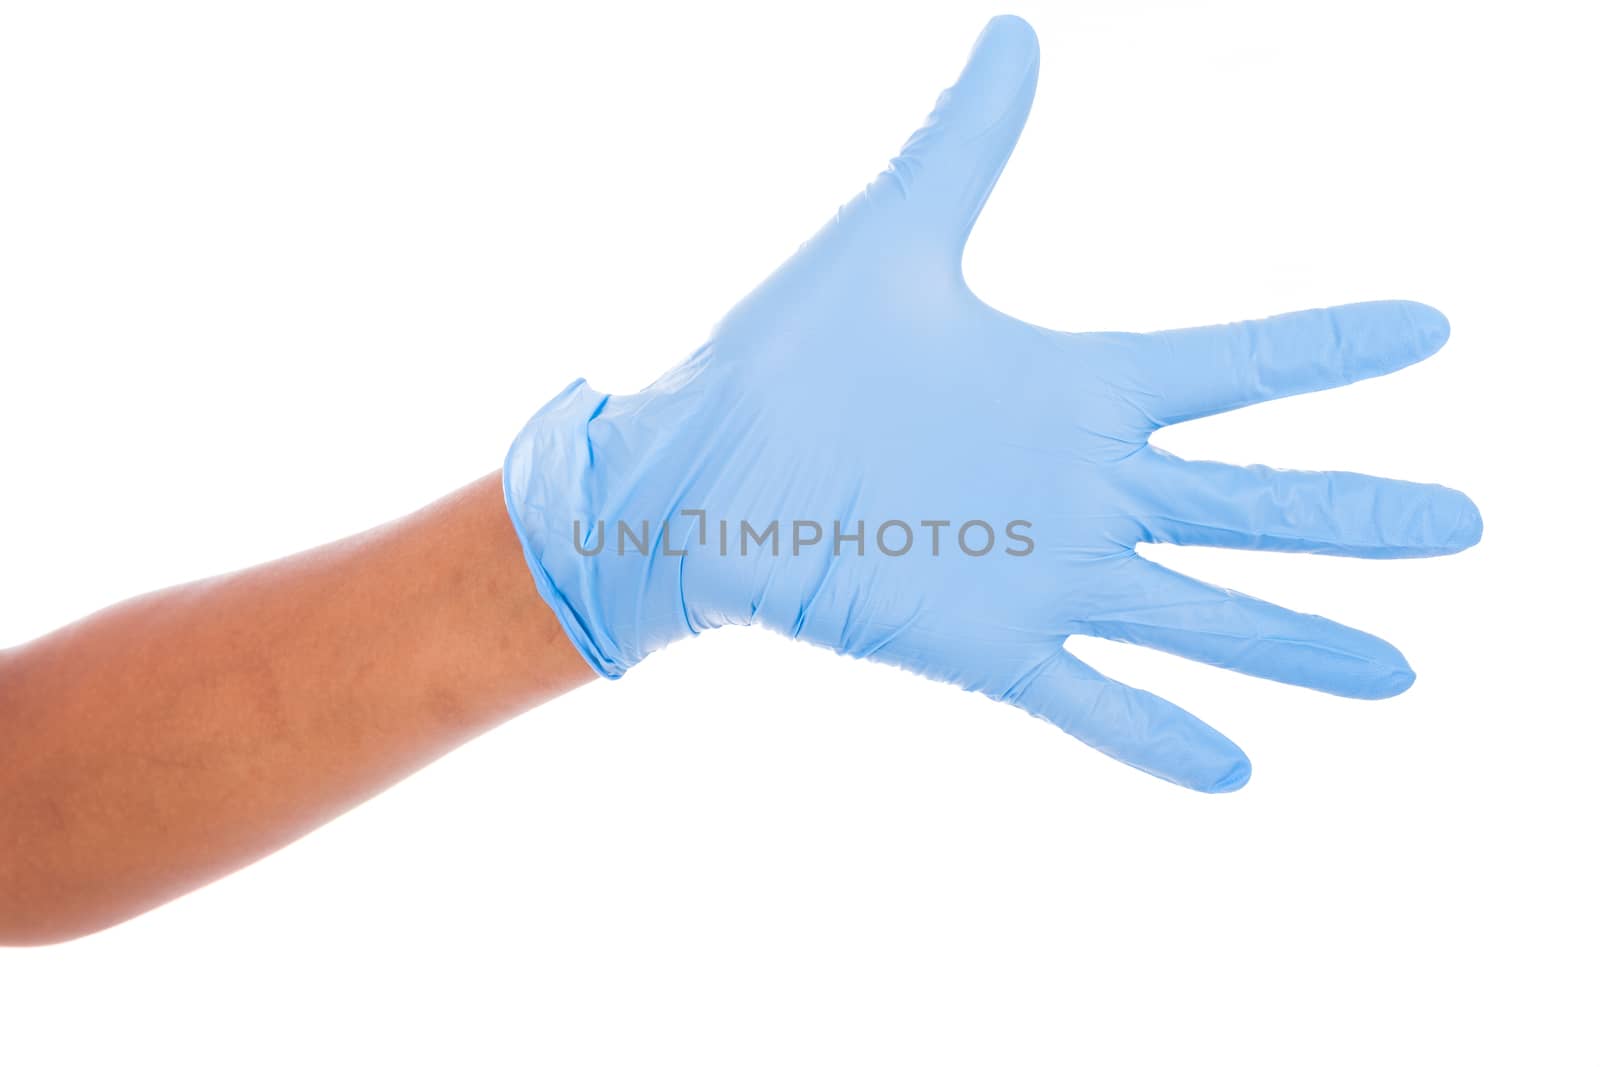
948 166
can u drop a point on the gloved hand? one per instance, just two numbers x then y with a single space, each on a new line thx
865 456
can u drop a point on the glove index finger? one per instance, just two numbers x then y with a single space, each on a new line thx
1202 371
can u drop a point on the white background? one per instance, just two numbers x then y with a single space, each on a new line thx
273 273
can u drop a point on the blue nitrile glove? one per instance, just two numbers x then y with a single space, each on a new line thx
867 457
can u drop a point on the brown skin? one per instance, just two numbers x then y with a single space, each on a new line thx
166 741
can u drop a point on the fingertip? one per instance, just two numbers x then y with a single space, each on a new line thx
1429 327
1011 28
1211 763
1003 62
1388 679
1431 520
1468 529
1447 523
1234 779
1363 666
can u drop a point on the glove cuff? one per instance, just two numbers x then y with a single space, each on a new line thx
543 480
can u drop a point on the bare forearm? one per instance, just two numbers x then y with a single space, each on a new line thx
165 741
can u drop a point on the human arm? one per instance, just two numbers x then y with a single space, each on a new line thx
165 741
